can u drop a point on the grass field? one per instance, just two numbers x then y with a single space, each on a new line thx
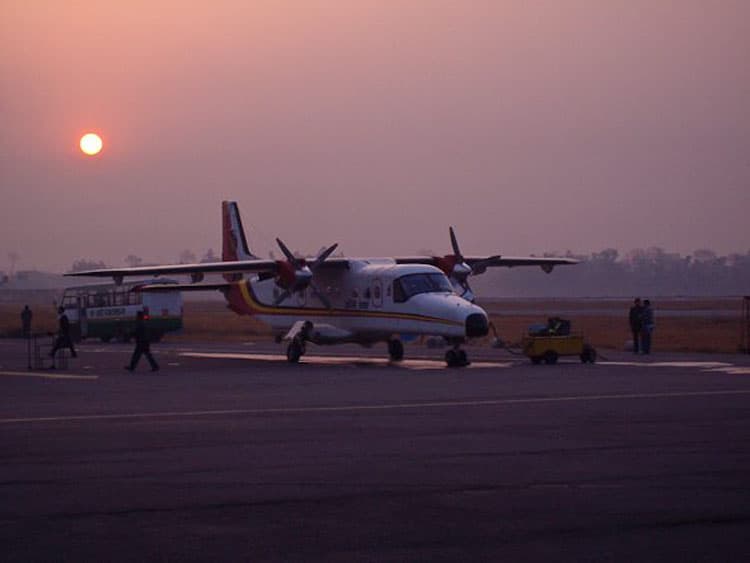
211 321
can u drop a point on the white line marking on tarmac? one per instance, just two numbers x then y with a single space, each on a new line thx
47 375
340 360
381 407
733 370
701 365
706 367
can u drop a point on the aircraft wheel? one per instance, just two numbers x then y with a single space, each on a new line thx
463 359
550 357
536 360
395 350
294 351
456 358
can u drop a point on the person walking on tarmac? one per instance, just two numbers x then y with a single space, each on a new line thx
142 344
636 323
26 321
63 339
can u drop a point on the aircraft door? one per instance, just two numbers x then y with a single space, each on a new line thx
377 293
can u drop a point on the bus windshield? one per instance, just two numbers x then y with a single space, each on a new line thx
406 287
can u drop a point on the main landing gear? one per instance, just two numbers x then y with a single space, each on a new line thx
296 347
456 358
395 350
295 350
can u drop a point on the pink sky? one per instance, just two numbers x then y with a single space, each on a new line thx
529 126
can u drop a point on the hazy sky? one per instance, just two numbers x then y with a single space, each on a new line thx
528 125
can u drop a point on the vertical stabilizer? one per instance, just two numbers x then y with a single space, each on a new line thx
233 243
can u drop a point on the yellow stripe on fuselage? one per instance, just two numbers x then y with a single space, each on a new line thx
260 309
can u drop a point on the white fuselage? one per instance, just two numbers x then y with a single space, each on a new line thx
365 304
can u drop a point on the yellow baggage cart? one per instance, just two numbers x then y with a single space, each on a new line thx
549 348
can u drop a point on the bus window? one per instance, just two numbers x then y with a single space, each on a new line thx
120 298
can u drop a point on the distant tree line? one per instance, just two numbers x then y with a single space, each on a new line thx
649 272
133 261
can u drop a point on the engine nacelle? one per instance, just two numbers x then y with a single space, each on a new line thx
291 278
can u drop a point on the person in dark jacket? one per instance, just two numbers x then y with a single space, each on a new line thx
26 315
636 323
63 339
647 327
142 344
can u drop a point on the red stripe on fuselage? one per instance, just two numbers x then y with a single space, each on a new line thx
243 301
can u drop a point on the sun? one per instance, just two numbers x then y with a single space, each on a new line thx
91 144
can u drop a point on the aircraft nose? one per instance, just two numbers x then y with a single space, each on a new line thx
476 325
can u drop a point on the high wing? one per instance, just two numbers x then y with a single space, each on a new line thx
196 270
479 264
459 267
546 263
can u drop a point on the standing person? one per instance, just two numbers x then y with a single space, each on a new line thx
26 315
647 326
142 344
63 335
636 322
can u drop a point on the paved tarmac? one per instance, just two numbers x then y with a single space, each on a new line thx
230 453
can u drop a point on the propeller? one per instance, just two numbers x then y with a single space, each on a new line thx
295 274
458 270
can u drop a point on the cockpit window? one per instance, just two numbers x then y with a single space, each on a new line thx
412 284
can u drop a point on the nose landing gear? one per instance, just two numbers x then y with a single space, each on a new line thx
295 350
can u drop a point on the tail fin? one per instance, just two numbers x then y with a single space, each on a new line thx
233 242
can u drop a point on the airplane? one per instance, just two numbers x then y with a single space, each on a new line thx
330 300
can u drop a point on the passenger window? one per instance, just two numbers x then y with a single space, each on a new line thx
376 292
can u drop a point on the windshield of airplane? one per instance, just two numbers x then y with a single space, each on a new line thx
412 284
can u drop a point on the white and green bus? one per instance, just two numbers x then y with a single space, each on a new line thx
107 311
